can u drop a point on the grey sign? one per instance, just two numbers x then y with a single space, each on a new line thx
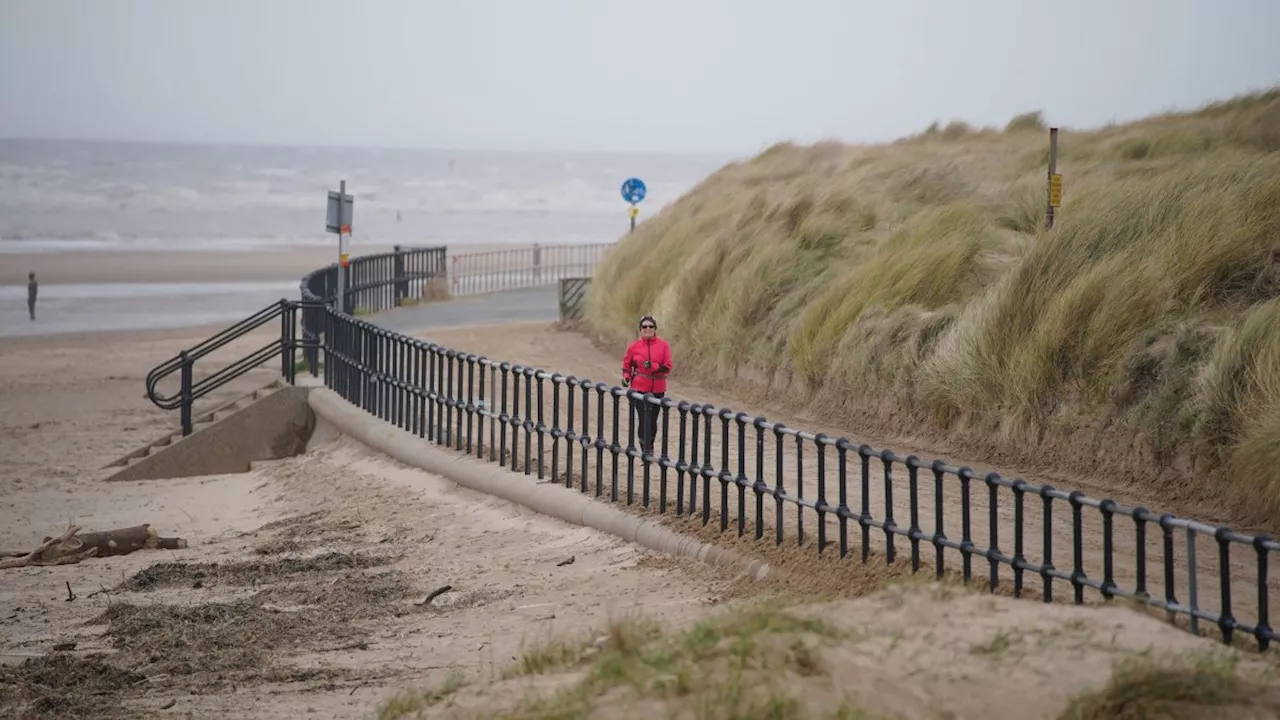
340 211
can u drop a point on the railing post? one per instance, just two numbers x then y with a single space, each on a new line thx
186 393
402 283
322 338
286 341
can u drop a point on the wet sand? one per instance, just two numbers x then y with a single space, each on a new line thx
267 264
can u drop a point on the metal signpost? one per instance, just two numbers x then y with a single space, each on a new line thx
1055 181
633 191
338 220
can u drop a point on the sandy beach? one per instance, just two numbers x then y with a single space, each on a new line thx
302 589
194 266
136 290
71 403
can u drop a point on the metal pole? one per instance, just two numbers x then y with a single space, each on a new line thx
1053 170
287 355
342 272
186 394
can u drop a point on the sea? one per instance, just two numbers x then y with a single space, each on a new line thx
104 196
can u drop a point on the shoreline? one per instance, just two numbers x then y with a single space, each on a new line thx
79 339
96 294
269 264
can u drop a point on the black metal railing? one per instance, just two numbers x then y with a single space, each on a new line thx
522 267
763 479
374 283
377 282
189 390
723 469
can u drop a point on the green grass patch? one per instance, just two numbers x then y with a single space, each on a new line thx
738 664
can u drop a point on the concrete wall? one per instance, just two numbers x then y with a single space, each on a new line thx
277 426
335 417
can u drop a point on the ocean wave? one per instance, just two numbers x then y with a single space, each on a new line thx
58 195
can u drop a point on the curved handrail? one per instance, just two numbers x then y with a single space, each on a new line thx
221 377
377 282
236 331
249 324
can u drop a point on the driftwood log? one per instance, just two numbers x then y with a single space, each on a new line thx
72 547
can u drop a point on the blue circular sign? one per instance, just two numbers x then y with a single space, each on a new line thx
633 190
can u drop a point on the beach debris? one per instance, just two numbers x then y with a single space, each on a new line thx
435 594
569 561
72 547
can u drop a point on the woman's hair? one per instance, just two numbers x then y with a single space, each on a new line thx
650 319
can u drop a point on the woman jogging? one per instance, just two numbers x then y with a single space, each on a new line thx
644 369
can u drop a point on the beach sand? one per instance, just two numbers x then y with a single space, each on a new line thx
119 266
125 291
309 596
71 403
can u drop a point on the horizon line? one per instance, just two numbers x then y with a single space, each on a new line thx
373 146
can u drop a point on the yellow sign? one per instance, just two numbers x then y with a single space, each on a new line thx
1055 190
344 260
634 211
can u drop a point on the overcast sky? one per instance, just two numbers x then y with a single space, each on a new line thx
724 76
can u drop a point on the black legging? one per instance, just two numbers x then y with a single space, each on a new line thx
647 427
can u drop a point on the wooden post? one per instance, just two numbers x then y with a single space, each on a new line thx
1054 180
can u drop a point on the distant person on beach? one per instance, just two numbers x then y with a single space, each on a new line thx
32 288
645 367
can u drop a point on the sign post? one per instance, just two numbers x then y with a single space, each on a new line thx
1055 181
633 191
338 220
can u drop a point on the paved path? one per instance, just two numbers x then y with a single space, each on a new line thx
508 306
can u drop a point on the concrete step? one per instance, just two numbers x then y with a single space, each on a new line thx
199 422
277 425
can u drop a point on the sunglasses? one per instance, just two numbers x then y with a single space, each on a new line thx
647 327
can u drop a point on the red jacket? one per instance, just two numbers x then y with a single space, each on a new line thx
653 379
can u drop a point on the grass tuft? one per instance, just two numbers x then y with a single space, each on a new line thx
1199 689
733 665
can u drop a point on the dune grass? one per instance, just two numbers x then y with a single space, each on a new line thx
919 276
1191 688
788 659
746 663
738 664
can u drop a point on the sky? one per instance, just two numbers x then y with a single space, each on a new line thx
715 76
